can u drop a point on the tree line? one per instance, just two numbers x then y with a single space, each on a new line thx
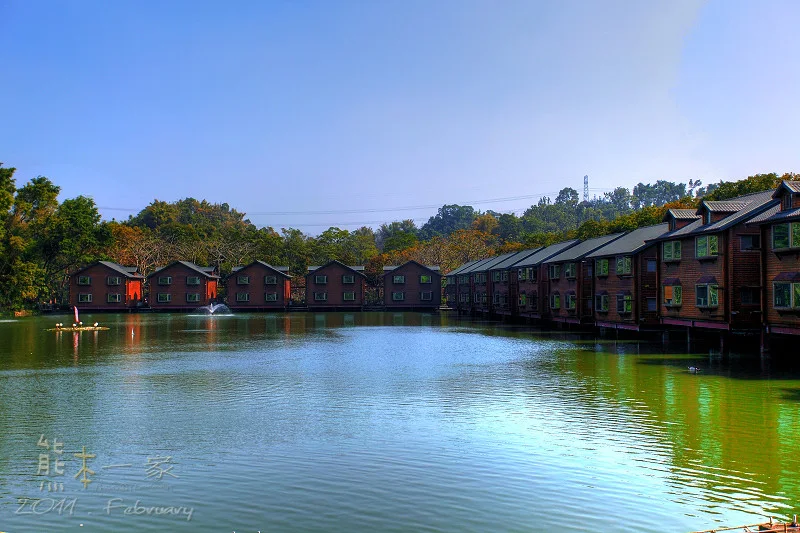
43 240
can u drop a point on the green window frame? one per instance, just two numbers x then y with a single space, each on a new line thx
349 296
624 303
555 301
84 280
320 280
271 297
624 265
114 298
243 280
672 251
164 297
786 236
348 279
706 246
113 280
165 280
398 296
398 280
522 300
786 295
84 298
504 275
571 301
496 275
321 296
532 274
673 295
426 296
569 270
554 271
270 280
522 274
601 267
193 280
706 295
192 297
601 303
242 296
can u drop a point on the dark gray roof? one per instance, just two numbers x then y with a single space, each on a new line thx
205 271
583 248
545 253
496 260
389 268
774 215
128 272
282 270
516 257
755 204
725 206
359 269
682 214
793 186
458 270
477 265
631 242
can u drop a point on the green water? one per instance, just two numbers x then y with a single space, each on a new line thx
384 422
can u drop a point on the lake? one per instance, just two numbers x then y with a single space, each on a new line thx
383 422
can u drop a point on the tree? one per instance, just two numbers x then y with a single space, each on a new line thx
449 219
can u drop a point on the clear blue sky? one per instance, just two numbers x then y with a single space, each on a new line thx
293 105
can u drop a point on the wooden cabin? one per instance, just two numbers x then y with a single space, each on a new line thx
570 287
182 285
412 286
258 286
106 286
468 284
451 287
531 279
779 239
709 267
503 285
626 280
335 285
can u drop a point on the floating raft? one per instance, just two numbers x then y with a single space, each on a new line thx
80 328
769 527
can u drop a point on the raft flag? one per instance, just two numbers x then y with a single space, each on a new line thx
76 315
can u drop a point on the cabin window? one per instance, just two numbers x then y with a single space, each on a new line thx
673 295
320 296
571 301
243 280
624 303
786 236
271 297
398 296
321 280
483 297
750 242
348 279
708 217
114 298
652 304
522 274
624 265
164 297
569 270
504 275
270 280
464 280
192 297
555 301
601 267
165 280
786 295
398 280
787 202
750 296
554 271
496 275
84 298
193 280
672 250
425 279
113 280
84 280
242 296
601 303
480 278
522 300
349 296
532 274
426 296
463 298
496 298
706 246
706 295
651 265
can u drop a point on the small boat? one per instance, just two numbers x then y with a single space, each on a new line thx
768 527
79 328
